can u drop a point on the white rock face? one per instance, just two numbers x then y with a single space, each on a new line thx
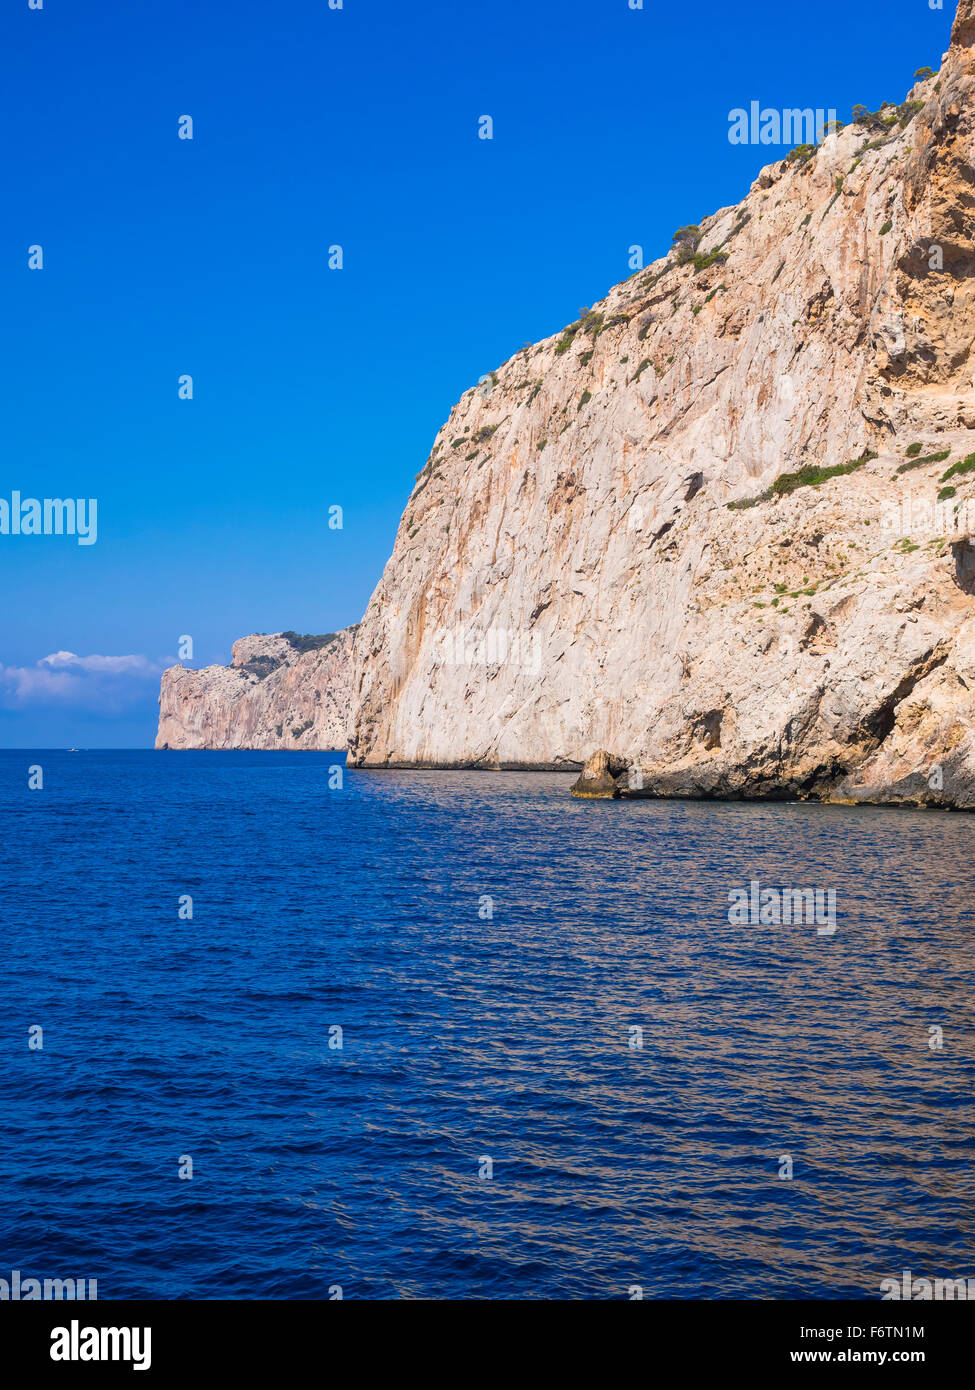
272 695
569 575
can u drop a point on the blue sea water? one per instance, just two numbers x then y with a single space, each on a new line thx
469 1036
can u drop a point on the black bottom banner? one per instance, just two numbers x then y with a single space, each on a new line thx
167 1340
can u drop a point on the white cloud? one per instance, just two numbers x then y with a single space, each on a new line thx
88 681
112 664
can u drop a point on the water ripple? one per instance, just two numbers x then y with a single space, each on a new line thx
469 1036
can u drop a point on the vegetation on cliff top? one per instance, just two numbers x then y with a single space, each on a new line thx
308 642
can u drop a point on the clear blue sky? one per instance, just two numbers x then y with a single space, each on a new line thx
316 387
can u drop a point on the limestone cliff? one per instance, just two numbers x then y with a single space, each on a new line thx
692 528
281 690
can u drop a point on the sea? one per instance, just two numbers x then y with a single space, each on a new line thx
272 1028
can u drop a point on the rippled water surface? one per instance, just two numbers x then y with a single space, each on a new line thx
469 1037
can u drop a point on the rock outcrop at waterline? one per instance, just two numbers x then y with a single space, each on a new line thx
598 776
708 526
282 690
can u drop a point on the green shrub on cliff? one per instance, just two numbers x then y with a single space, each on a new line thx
965 465
687 236
809 476
716 257
812 475
260 666
567 339
925 459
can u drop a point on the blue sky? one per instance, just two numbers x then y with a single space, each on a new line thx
316 387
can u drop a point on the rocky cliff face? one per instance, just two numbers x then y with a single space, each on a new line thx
693 529
280 691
